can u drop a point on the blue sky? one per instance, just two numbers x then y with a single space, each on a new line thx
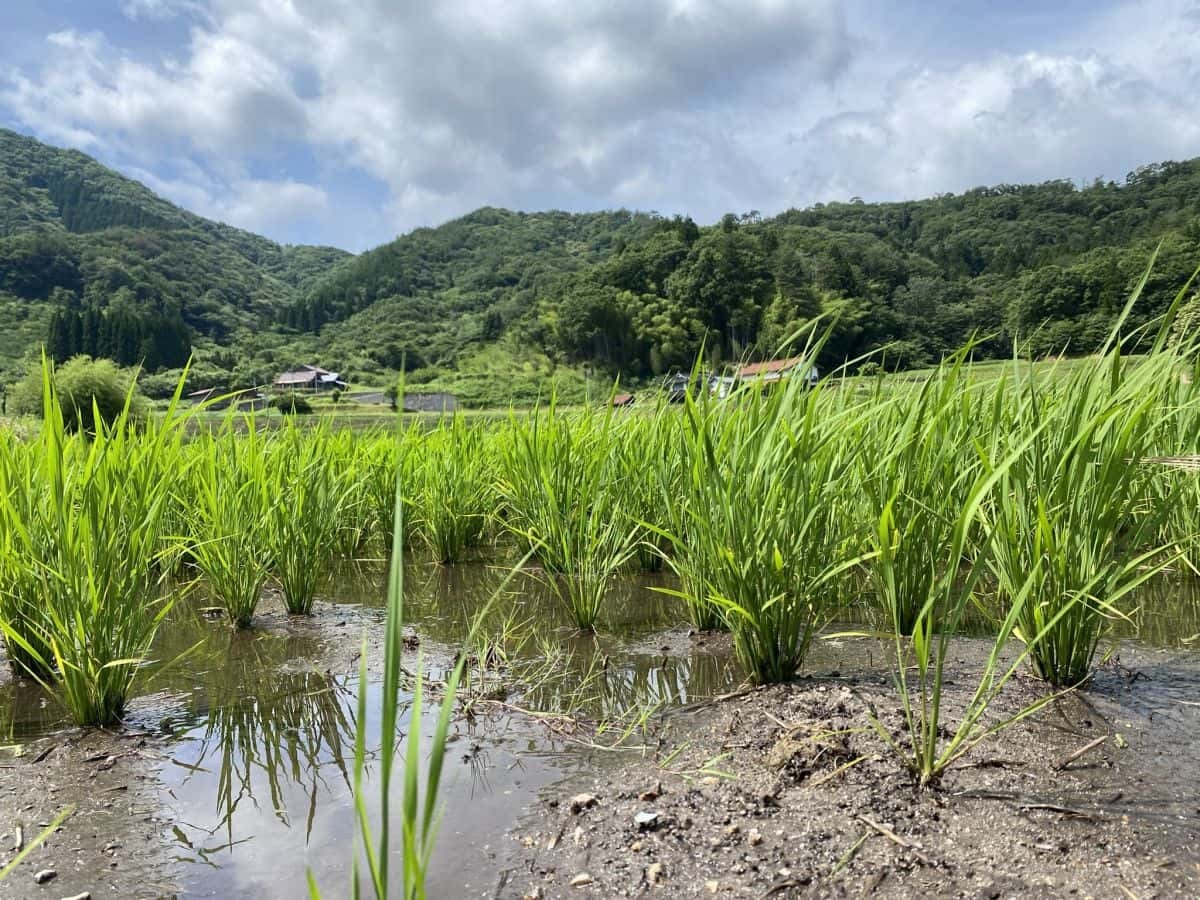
346 122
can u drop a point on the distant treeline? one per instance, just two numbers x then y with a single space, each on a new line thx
1044 267
93 262
125 336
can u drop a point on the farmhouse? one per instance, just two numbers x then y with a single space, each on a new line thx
309 378
767 373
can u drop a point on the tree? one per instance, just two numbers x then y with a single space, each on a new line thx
84 387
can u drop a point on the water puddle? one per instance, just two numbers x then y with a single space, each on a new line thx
258 776
255 730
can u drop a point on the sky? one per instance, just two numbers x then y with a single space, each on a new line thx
347 122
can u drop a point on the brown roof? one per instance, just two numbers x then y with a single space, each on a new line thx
303 377
768 368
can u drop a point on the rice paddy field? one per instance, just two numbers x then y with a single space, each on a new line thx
791 642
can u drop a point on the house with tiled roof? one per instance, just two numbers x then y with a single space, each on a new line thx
777 370
309 378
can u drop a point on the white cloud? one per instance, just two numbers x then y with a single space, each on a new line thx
681 105
263 205
450 107
227 96
1023 118
160 10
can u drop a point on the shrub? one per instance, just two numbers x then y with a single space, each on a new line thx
292 405
84 386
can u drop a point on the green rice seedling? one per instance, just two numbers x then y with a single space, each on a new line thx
1074 510
384 459
304 522
232 509
681 501
1060 520
650 468
565 502
1173 464
1176 492
765 540
88 546
453 489
916 473
26 623
931 744
417 815
348 454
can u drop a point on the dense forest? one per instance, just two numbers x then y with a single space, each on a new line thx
94 262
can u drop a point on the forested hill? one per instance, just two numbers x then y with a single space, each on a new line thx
80 238
92 261
1046 267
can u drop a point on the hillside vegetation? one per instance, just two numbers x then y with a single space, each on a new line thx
496 304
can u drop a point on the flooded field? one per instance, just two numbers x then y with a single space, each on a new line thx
233 774
883 661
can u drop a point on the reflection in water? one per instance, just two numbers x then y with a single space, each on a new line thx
263 742
274 757
258 783
289 727
258 727
442 600
631 684
1167 614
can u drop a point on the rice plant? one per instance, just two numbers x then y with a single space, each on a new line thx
916 470
231 508
348 454
765 540
84 546
650 471
564 502
26 625
453 489
384 460
305 517
929 744
1073 509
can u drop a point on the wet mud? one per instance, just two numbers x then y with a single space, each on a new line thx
231 776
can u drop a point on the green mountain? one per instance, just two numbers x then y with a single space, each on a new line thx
495 303
77 236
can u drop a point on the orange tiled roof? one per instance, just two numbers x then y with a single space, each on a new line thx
766 368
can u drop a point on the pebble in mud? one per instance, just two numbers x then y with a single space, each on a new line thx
805 815
647 820
45 875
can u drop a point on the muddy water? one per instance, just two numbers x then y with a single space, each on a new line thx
259 777
255 731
